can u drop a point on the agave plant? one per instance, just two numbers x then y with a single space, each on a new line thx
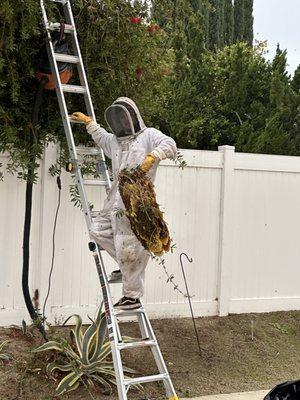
27 330
86 358
4 356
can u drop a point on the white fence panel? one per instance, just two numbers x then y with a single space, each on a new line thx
266 246
191 198
237 215
12 209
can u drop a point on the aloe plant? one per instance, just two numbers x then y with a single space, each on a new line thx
4 356
86 358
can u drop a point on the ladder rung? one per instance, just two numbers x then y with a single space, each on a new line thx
55 26
145 379
66 58
59 1
92 151
115 281
94 182
142 343
128 313
73 89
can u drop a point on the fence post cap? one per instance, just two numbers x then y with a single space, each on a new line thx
226 148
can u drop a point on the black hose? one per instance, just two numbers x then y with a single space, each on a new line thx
28 212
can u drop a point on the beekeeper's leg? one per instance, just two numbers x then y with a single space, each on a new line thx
131 257
102 233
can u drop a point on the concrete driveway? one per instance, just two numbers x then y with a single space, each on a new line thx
259 395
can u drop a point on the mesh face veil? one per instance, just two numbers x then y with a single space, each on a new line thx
119 120
135 121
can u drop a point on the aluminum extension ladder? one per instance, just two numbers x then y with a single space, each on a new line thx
112 315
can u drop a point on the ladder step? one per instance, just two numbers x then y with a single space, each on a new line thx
55 26
145 379
60 1
142 343
92 151
94 182
128 313
111 281
73 89
66 58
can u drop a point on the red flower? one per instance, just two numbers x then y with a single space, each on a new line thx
139 72
135 20
153 28
166 71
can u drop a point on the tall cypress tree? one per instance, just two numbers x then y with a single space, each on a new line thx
214 24
206 22
279 62
228 22
248 22
221 5
239 21
223 21
196 5
281 132
296 80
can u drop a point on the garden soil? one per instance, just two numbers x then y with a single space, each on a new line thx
239 353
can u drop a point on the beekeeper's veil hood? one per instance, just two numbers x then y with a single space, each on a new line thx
124 118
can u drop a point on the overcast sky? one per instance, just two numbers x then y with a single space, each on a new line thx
279 21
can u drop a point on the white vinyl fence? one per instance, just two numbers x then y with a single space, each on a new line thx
237 215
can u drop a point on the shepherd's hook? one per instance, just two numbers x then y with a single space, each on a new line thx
190 260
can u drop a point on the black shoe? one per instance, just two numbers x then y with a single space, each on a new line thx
116 276
127 303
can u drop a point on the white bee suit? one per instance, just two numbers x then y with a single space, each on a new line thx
113 232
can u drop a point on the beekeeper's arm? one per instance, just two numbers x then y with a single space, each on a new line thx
100 136
163 147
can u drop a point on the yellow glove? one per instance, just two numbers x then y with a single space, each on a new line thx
79 116
147 163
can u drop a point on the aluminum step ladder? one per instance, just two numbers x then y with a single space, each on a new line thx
112 315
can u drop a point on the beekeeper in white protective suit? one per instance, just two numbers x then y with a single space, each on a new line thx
130 145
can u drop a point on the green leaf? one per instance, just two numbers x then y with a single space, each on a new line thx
100 337
88 337
62 367
71 353
4 356
111 380
68 382
106 371
130 370
52 345
77 331
4 344
96 364
106 350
